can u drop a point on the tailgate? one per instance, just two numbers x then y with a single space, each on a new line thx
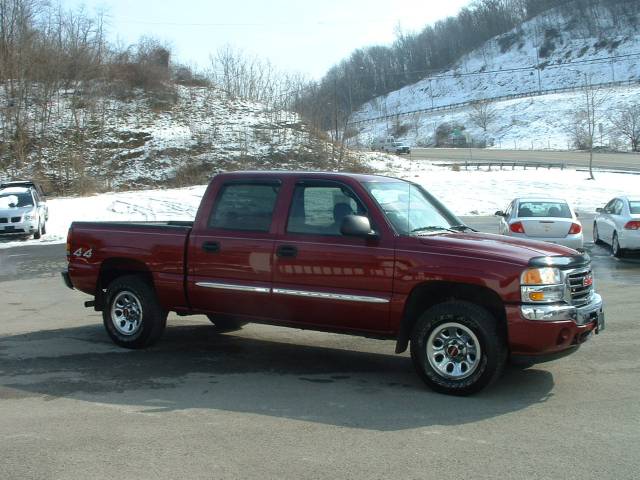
547 227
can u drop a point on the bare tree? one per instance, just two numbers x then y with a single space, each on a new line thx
626 121
586 118
482 115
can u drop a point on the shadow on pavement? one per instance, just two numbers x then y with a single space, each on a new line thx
193 367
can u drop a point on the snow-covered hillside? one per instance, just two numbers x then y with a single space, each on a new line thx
546 53
131 143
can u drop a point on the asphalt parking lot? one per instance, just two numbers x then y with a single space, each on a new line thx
269 402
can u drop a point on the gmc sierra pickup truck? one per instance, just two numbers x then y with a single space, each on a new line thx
360 254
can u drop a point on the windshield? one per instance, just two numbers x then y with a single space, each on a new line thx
634 207
15 199
410 209
544 209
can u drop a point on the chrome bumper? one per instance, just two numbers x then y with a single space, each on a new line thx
582 315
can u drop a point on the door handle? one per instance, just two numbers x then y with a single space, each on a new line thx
211 247
286 251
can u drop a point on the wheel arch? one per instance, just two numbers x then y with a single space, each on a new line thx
116 267
432 293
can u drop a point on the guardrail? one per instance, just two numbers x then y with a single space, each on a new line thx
532 93
537 165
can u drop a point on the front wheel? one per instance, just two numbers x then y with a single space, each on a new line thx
38 234
596 235
457 348
132 315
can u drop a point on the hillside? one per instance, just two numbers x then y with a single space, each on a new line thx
110 143
533 61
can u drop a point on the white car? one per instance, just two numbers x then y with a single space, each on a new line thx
22 212
618 224
544 219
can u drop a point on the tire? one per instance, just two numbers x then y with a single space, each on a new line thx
44 228
615 246
132 315
596 235
471 334
38 234
226 324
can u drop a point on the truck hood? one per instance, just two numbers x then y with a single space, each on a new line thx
493 247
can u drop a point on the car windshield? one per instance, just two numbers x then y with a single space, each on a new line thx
544 209
15 199
410 209
634 207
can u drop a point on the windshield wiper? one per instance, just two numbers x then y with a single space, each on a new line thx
432 228
463 228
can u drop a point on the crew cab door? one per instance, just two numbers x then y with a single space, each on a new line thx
323 278
230 250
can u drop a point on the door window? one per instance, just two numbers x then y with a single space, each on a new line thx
319 210
247 207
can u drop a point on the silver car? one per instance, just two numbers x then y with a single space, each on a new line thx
548 220
22 212
618 225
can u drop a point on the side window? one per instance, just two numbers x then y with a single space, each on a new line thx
617 209
247 207
609 207
507 212
319 210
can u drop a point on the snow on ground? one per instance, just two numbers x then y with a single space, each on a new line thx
470 192
143 205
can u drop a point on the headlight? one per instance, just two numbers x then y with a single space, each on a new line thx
542 285
29 216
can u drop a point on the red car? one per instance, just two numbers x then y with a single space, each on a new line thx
358 254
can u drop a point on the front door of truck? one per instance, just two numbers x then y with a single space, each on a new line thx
323 278
230 250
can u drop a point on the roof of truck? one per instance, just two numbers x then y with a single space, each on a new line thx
360 177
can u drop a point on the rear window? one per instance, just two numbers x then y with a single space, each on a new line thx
544 209
634 207
247 207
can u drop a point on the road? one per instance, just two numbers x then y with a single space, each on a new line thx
614 161
270 402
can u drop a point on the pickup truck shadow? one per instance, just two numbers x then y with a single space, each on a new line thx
195 367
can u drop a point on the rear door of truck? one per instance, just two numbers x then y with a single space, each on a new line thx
230 250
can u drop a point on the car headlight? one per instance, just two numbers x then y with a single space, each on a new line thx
29 216
542 285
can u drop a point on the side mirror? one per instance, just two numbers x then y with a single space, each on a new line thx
499 213
599 210
357 226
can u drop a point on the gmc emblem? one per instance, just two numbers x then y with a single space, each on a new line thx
588 280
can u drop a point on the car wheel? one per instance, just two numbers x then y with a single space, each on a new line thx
596 235
615 246
457 348
38 234
226 324
132 315
44 228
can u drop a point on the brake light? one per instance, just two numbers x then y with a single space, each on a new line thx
69 245
632 225
575 228
516 227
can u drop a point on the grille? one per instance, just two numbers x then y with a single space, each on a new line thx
4 220
580 293
15 219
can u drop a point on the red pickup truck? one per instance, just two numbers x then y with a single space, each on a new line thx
359 254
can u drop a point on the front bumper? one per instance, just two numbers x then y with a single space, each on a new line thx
19 228
546 331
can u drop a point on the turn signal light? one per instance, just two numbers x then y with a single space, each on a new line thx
536 296
516 227
575 229
632 225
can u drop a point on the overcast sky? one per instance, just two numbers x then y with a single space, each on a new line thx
295 35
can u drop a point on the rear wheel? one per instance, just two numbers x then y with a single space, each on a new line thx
132 315
226 324
596 235
615 246
456 348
